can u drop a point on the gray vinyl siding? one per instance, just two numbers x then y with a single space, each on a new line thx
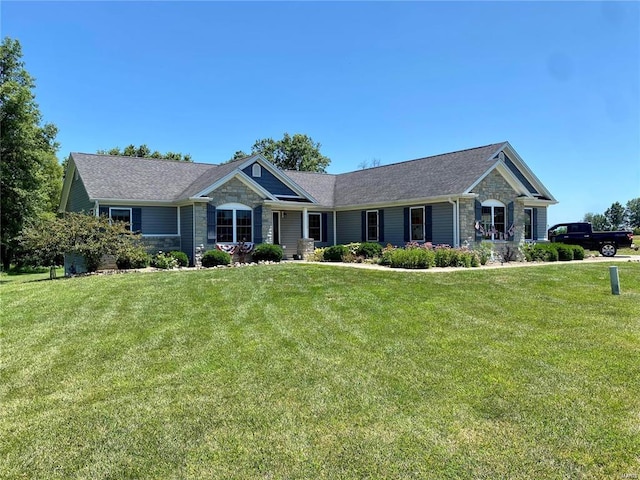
269 182
159 220
542 223
394 226
78 200
349 226
155 220
290 233
511 166
186 231
442 218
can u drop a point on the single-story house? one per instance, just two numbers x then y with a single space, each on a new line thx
458 198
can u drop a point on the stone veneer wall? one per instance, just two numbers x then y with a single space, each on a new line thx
233 191
495 187
165 244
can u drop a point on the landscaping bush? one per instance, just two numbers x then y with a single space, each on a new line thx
410 258
578 252
267 252
445 257
133 257
164 261
213 258
565 252
318 255
369 250
484 251
335 253
181 258
541 252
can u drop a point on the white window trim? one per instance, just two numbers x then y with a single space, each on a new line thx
130 215
234 207
411 239
256 170
320 223
377 212
530 225
493 204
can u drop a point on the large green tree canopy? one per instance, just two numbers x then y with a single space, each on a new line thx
297 152
145 152
30 175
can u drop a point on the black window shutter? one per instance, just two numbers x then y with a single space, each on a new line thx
428 223
534 227
380 225
478 219
301 224
136 220
363 225
211 223
324 226
407 226
257 224
510 215
103 211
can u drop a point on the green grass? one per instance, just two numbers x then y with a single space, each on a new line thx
314 371
28 275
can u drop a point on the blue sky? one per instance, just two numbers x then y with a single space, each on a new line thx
368 80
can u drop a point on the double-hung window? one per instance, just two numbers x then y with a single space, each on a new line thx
234 224
315 226
528 223
417 224
372 226
120 215
494 220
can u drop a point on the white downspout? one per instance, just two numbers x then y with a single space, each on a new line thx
96 209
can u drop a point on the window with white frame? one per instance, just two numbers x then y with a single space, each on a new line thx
416 215
528 223
372 226
315 226
234 224
120 215
494 219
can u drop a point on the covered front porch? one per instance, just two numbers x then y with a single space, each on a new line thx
288 226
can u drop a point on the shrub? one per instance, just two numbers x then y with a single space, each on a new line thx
133 257
267 252
565 252
410 258
335 253
541 252
164 261
213 258
318 255
369 250
578 252
445 257
484 251
181 258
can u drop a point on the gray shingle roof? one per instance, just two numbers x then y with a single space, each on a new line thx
439 175
127 178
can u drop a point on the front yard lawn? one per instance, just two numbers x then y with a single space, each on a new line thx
317 371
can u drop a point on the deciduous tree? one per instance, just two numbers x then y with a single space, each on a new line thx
297 152
615 216
29 180
143 151
632 213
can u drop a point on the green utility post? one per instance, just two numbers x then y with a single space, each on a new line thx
615 280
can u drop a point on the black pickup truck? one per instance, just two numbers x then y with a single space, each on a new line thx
607 243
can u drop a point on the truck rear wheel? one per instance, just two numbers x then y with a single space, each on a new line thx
608 250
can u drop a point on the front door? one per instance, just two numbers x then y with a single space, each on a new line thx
276 228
